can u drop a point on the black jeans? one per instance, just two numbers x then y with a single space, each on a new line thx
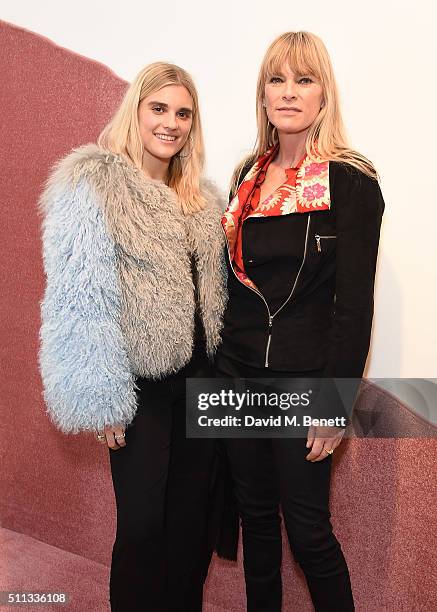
161 482
268 473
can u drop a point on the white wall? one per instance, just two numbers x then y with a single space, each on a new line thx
383 54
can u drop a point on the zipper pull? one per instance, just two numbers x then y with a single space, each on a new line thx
270 324
319 248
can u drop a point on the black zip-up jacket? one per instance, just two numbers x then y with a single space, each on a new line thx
316 273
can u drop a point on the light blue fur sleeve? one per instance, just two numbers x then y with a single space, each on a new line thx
85 370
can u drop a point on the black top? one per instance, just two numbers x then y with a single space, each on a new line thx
199 364
267 248
327 321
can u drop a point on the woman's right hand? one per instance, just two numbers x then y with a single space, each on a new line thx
108 437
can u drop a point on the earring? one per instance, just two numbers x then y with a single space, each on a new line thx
179 156
273 138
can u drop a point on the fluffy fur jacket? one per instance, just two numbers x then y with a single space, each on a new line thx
120 297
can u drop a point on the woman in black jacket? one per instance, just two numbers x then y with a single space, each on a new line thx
302 232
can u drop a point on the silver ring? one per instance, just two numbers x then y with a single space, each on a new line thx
120 436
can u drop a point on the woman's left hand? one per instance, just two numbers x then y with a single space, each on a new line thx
321 440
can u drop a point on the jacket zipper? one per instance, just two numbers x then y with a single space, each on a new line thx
269 339
271 316
317 237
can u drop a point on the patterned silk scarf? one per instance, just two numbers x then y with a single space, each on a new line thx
310 193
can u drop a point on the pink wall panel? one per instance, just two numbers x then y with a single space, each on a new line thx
50 100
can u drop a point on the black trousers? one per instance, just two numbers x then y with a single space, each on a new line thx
161 481
268 473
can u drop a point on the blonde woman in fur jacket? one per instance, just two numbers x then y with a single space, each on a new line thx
135 292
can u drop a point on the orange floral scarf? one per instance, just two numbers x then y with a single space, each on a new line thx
309 193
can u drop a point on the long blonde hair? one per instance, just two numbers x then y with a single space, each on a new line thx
305 53
122 134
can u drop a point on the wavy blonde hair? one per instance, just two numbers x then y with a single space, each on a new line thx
122 134
305 54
